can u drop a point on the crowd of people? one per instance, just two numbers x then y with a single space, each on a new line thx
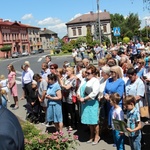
85 93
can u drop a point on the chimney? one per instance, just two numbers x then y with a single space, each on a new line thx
104 10
1 20
44 29
19 21
91 12
15 21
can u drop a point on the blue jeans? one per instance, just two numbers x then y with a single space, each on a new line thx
4 101
118 140
135 142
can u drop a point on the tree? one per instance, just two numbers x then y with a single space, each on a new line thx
6 49
89 37
127 25
126 40
81 40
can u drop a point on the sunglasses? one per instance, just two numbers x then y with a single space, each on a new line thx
52 68
88 73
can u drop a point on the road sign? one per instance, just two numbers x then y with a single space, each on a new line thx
116 31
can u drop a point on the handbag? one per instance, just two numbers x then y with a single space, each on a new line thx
74 98
144 111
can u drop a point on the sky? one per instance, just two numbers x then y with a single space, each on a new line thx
54 14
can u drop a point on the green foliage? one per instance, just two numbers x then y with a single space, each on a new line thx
5 48
129 34
67 47
126 40
89 37
128 25
81 40
34 140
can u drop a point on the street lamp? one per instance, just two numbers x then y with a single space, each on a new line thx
99 23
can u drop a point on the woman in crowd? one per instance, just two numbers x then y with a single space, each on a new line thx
135 87
141 67
88 96
42 88
54 106
115 84
53 68
69 91
12 85
105 75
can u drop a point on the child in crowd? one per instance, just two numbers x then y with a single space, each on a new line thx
117 114
133 123
3 85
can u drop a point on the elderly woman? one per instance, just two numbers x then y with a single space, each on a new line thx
105 75
54 107
115 84
88 96
135 87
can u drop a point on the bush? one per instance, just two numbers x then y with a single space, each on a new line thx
34 140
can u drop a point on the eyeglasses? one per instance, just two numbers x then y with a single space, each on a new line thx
52 68
139 63
88 73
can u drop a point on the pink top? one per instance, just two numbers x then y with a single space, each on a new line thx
13 88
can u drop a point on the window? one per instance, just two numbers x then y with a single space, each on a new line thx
105 28
74 31
79 31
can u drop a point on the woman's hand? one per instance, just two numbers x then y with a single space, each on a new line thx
129 129
81 99
48 96
106 96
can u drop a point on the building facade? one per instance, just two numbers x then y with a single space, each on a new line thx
78 26
18 36
49 38
34 38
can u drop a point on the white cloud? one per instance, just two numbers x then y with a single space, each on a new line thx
49 21
60 29
27 16
77 15
147 20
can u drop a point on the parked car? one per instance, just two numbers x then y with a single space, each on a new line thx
40 50
25 53
16 55
33 52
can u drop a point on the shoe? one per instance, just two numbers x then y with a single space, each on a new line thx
47 125
89 141
96 142
16 107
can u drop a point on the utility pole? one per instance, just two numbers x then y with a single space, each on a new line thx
99 23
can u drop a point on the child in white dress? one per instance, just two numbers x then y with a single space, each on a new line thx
3 85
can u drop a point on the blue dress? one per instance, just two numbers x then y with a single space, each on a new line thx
54 107
117 86
89 109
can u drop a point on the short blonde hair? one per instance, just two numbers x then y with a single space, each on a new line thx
2 77
70 69
117 70
102 62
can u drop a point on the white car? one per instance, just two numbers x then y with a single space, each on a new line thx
25 53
